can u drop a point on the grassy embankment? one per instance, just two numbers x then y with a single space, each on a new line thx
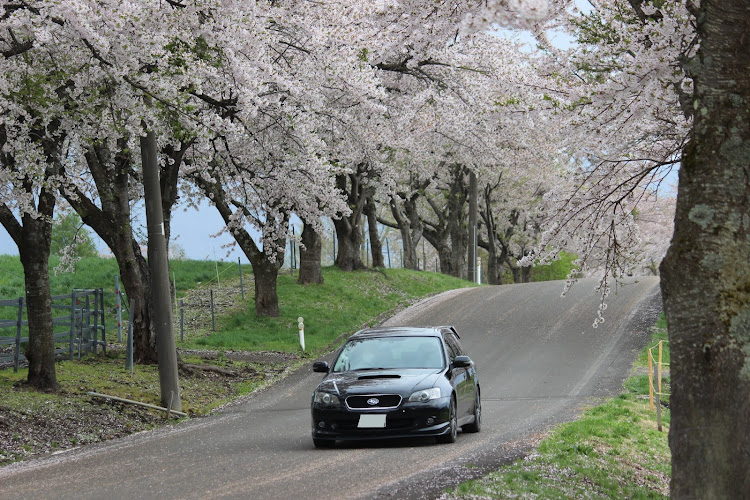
95 272
613 451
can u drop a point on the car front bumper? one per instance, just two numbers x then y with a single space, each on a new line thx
408 420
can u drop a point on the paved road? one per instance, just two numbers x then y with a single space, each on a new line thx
539 362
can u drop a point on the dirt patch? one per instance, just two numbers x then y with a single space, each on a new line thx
269 357
48 428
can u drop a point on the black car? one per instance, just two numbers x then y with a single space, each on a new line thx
394 383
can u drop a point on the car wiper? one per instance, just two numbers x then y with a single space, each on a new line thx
370 368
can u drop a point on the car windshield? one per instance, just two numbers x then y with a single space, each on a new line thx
382 353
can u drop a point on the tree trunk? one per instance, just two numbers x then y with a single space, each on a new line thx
516 273
404 211
376 247
456 219
349 240
111 222
33 237
136 280
494 264
266 299
309 257
437 232
458 249
445 257
34 252
525 274
705 275
473 228
265 271
349 227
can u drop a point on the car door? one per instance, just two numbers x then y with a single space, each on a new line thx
459 376
472 379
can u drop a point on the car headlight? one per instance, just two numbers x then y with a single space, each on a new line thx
326 398
425 395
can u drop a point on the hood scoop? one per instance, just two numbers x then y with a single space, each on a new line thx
384 375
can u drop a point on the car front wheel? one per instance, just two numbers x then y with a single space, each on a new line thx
450 437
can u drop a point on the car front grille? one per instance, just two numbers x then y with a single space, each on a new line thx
373 401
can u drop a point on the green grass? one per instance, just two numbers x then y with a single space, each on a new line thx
97 272
345 302
613 451
556 270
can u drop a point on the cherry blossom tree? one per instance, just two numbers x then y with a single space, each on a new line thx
664 83
33 135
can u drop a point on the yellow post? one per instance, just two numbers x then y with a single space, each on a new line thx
659 368
650 380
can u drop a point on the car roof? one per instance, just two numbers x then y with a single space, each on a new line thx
403 331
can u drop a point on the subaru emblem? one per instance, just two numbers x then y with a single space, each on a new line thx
373 401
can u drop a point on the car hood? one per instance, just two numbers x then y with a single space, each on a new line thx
401 381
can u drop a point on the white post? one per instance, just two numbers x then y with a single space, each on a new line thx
301 325
479 271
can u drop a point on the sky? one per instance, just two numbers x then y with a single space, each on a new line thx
192 230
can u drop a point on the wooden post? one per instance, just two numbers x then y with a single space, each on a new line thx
96 320
83 335
242 285
104 324
118 307
72 321
213 316
658 405
659 365
650 380
19 326
129 348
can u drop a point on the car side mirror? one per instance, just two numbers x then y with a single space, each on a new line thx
462 362
320 366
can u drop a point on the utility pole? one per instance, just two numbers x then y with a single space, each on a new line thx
472 227
158 264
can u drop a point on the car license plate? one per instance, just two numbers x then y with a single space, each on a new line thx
371 421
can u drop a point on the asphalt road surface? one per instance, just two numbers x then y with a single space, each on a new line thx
539 360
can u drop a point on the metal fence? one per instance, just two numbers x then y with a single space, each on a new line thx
79 328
